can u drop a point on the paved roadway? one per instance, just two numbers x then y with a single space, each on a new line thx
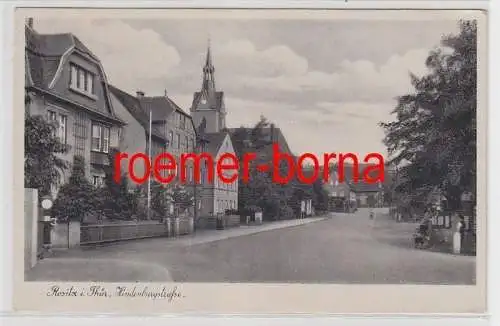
346 248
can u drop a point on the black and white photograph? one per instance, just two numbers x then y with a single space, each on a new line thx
252 149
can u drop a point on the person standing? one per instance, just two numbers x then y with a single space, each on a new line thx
457 234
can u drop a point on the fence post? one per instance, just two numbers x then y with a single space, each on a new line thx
191 225
167 221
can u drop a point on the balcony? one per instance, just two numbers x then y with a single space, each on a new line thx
99 158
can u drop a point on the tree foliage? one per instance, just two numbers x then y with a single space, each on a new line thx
117 200
278 201
434 135
77 197
42 165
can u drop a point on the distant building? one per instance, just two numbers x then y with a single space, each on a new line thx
341 198
366 194
66 83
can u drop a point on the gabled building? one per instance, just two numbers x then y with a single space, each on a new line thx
366 194
65 82
217 196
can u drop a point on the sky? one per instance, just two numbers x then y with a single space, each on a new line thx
325 83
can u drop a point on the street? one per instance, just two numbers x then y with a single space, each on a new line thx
344 248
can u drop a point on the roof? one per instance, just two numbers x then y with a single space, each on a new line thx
277 137
160 106
215 141
45 51
43 56
133 106
361 185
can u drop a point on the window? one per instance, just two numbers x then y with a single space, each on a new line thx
62 121
97 181
100 138
186 140
182 120
178 145
171 138
81 80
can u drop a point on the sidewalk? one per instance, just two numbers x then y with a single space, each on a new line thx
136 259
96 270
207 236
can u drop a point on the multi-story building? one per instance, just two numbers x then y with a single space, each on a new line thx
66 82
135 135
172 132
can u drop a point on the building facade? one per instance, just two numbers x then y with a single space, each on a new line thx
135 135
66 83
216 195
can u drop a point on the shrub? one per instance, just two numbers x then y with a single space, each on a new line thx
77 197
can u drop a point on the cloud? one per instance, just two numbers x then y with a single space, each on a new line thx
241 57
352 80
129 56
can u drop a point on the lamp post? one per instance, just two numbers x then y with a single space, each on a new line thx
47 204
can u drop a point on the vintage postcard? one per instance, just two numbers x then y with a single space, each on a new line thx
250 161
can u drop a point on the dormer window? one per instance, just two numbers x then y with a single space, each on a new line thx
82 80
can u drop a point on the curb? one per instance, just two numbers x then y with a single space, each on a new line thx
319 219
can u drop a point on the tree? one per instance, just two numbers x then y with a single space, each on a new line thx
181 198
77 197
117 201
434 136
41 162
260 190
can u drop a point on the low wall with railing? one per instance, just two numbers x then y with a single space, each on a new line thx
210 222
121 231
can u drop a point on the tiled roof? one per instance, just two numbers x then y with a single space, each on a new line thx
44 52
160 106
133 106
215 141
277 137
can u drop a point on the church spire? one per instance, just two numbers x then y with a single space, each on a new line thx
208 73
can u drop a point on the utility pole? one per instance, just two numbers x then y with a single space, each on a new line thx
149 155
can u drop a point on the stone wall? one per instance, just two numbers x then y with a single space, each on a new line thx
30 228
65 235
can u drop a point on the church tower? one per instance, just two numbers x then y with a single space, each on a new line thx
208 103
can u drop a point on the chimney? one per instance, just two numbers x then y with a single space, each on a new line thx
165 92
140 94
29 22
